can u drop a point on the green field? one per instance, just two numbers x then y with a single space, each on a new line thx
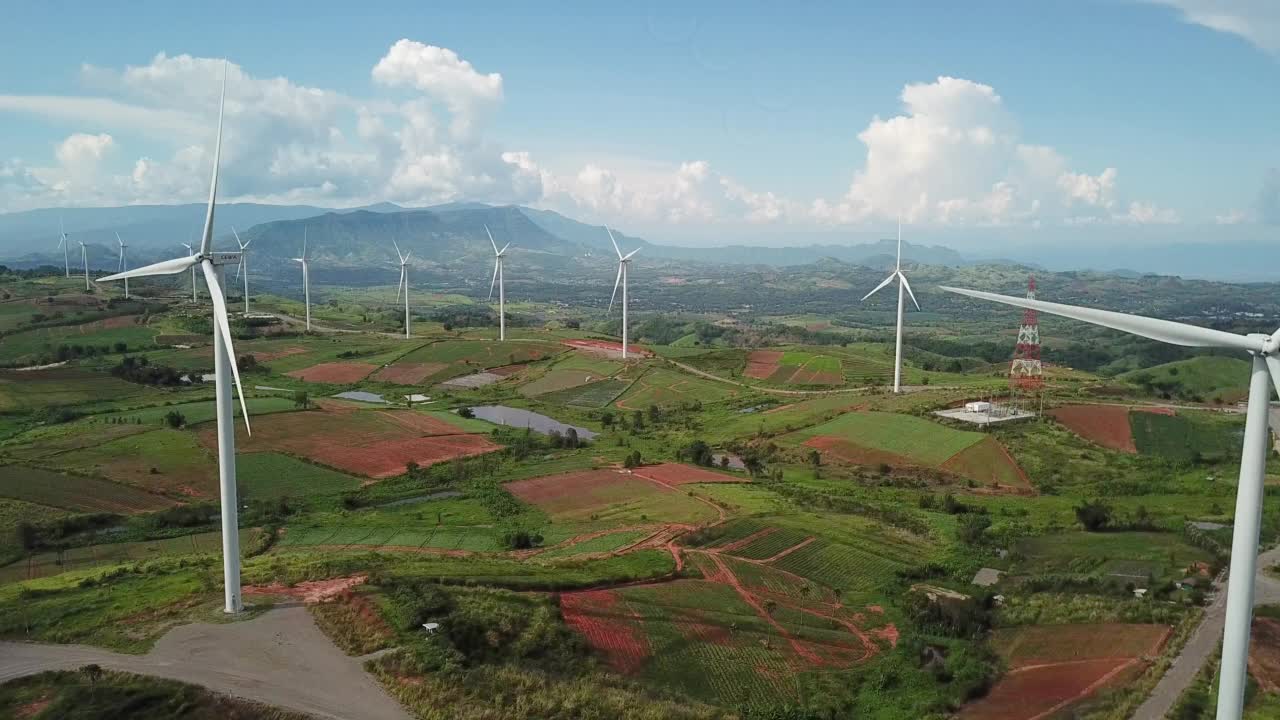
659 386
90 556
75 492
604 543
162 460
482 354
41 344
1187 436
1201 379
24 391
273 475
200 411
591 395
559 380
1133 555
923 441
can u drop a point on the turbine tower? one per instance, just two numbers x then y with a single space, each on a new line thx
624 262
62 243
902 285
193 272
224 358
121 266
1265 352
84 257
306 280
243 266
404 284
498 255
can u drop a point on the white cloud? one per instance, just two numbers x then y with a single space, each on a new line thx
442 75
81 152
955 157
1257 21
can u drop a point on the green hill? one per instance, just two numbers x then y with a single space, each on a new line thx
1199 379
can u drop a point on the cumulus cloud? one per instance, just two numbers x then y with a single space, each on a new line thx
1257 21
955 156
443 76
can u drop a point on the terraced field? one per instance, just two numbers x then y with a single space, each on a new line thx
75 492
591 395
659 386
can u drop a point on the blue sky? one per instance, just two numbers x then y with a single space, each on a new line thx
689 120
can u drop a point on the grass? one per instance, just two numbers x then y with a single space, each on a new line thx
921 440
42 343
592 395
107 554
200 411
75 492
24 391
481 354
1187 436
660 386
275 475
72 695
1164 556
1205 378
160 460
602 544
559 379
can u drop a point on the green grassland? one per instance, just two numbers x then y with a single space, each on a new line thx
275 475
921 440
591 395
1187 436
197 412
1206 378
110 554
162 460
25 391
660 386
1135 555
74 492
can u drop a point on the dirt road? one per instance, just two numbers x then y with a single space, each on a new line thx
1204 641
279 658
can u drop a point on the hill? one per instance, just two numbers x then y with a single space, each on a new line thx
1200 379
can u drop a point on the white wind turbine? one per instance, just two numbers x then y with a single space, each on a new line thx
84 258
624 262
306 279
193 272
902 285
404 284
1253 460
62 243
224 362
243 266
498 256
120 266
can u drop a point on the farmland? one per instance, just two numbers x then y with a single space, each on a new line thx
75 492
591 395
660 386
608 496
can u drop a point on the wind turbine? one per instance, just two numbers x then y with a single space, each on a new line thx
902 285
62 243
224 362
1264 350
120 267
404 283
84 257
624 262
502 290
193 272
243 266
306 281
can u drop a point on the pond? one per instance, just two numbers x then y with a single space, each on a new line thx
519 417
362 396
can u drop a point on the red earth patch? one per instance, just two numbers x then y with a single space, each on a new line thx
678 474
609 626
849 452
762 363
408 373
607 348
311 591
572 491
268 356
1105 425
337 373
987 462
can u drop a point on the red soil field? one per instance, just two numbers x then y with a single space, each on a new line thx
277 354
849 452
1105 425
1264 654
337 373
572 491
762 363
609 626
310 591
506 370
375 444
606 348
121 321
986 461
1040 691
408 373
677 474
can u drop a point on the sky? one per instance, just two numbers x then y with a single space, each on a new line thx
700 123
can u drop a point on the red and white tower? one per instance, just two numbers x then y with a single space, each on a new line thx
1026 373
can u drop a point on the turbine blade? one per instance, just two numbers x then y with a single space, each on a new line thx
1273 365
907 286
494 281
166 267
880 287
503 251
407 256
241 244
491 242
304 242
400 285
119 241
223 326
628 255
206 239
1174 333
615 287
396 245
239 265
899 265
615 242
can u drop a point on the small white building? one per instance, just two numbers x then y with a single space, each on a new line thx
977 407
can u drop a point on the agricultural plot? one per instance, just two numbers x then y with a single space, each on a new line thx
771 542
559 380
799 414
336 373
162 460
42 343
471 355
48 440
1125 555
1105 425
844 567
198 411
608 349
274 475
797 367
1187 436
609 496
1051 668
75 492
371 443
681 474
762 364
659 386
987 461
444 539
27 390
607 542
592 395
408 373
81 558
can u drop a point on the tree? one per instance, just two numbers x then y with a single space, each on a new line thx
632 460
724 462
637 420
28 535
1094 516
571 440
301 399
93 671
655 414
175 419
606 419
697 452
466 412
972 527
